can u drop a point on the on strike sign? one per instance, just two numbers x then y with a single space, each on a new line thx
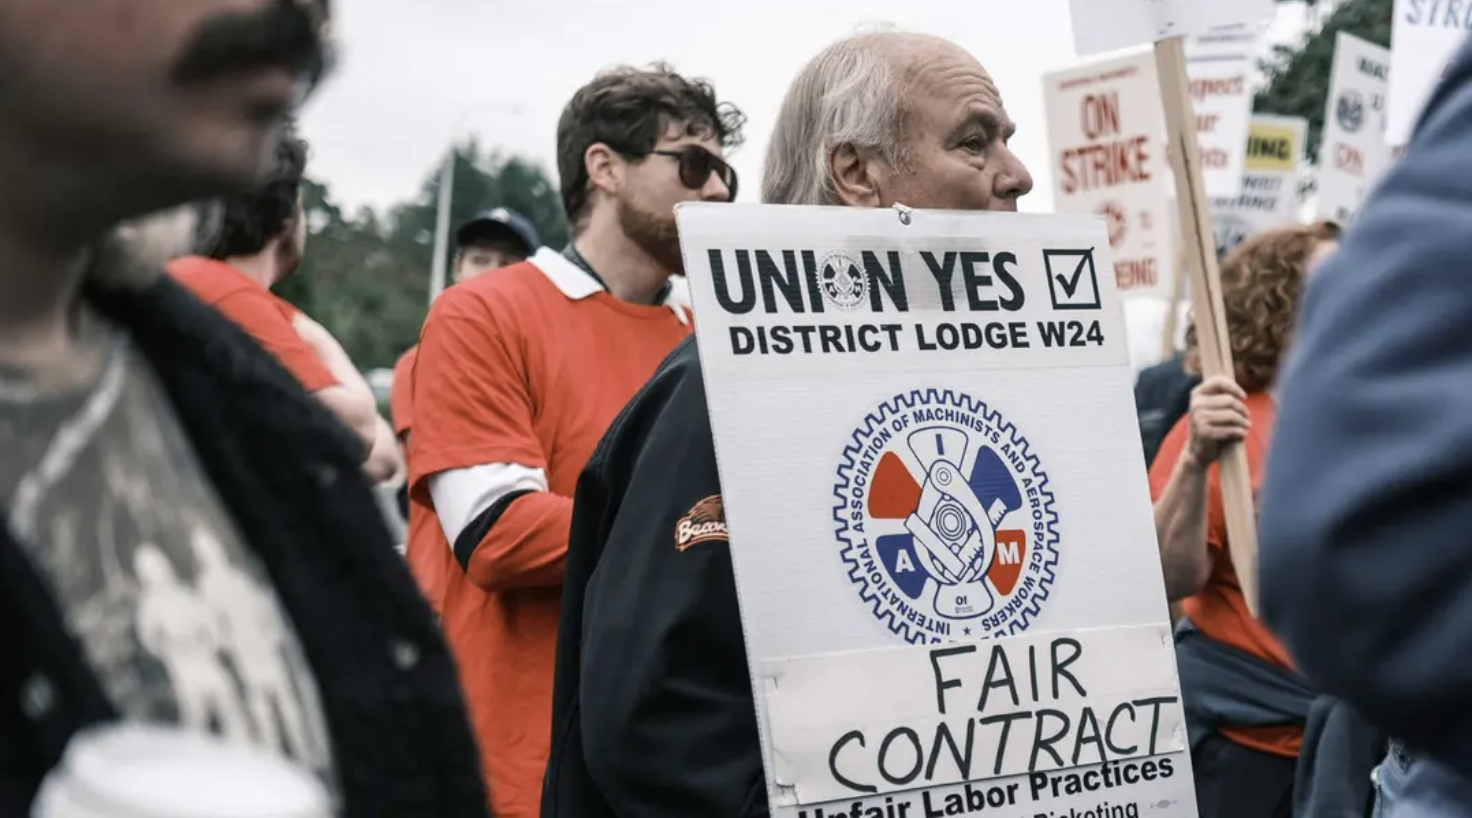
1107 134
939 523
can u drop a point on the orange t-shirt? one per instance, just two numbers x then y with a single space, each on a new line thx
1219 609
526 367
429 564
255 309
401 395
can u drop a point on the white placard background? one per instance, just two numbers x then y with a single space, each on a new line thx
1220 65
782 424
1353 154
1423 38
1269 195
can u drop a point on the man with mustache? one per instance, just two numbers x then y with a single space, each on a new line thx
520 372
653 712
133 418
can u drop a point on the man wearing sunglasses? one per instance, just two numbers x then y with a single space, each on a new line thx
653 712
520 373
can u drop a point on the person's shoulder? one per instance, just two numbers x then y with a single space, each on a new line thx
211 281
501 294
406 361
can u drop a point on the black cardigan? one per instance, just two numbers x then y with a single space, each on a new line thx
290 475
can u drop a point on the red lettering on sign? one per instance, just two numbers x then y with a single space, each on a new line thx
1348 159
1133 273
1100 115
1105 165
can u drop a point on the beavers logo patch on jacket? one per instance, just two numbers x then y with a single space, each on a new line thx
705 522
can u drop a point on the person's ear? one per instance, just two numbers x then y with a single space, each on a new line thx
857 176
604 167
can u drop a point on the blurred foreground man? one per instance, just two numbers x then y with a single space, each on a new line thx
259 242
653 714
519 375
1366 563
185 538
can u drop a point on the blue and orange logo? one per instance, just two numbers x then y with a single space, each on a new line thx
945 519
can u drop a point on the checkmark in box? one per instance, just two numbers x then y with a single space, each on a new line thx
1073 281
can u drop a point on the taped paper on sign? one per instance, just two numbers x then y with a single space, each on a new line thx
930 716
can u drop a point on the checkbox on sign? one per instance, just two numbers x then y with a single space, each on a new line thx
1073 282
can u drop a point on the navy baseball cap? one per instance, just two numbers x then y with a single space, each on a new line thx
500 221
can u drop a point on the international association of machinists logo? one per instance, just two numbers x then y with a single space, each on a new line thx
945 519
844 282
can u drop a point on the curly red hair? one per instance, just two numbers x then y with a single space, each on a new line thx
1262 282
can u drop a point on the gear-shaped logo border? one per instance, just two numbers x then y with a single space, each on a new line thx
861 291
1047 545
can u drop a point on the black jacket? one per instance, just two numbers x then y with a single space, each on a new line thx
1162 398
652 706
290 475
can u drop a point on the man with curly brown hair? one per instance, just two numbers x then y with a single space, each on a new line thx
1246 734
520 373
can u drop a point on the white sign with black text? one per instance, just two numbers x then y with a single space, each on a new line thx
1424 36
939 519
1353 153
1270 179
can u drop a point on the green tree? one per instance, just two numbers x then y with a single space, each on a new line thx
1299 75
366 276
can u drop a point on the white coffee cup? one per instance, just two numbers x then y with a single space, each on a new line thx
140 771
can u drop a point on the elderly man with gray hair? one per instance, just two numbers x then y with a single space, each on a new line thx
665 723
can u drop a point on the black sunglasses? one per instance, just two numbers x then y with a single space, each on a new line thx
696 166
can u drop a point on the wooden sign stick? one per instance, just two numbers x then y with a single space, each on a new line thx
1213 340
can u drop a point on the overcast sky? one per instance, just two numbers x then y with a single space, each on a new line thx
415 73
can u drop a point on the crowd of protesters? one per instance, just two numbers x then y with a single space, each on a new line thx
191 540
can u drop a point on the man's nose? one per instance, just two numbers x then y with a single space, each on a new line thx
715 189
1012 181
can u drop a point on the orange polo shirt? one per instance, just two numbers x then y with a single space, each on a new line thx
262 314
1219 609
526 367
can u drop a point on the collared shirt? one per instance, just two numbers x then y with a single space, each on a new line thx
518 376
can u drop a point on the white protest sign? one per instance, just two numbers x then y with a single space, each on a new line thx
940 526
1106 131
1353 153
1269 195
1219 64
1424 35
1106 25
1003 708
